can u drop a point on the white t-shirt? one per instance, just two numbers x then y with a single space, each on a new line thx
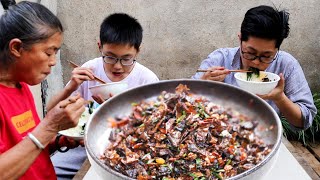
139 75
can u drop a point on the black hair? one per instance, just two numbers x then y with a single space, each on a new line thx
267 23
30 22
7 3
120 28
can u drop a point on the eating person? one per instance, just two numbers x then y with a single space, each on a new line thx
120 40
30 38
262 31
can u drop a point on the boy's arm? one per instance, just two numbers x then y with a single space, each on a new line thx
79 75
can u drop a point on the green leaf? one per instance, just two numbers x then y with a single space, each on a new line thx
309 135
181 118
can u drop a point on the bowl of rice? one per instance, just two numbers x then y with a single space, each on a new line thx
257 83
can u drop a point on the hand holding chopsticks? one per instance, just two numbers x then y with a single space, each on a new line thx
74 65
72 101
217 73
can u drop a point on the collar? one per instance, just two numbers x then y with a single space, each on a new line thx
236 62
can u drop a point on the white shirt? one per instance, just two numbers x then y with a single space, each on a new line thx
139 75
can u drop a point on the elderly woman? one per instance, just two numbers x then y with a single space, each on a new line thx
30 36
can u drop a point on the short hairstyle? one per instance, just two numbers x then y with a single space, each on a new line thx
267 23
120 28
30 22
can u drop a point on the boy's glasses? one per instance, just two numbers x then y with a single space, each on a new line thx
114 60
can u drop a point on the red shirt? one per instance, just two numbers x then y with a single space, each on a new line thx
18 116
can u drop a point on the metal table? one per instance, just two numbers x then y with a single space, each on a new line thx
286 167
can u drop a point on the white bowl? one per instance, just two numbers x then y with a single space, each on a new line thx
77 132
255 85
104 90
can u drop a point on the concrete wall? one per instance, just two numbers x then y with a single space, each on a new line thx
179 34
53 82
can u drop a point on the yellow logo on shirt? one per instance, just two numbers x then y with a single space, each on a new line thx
23 122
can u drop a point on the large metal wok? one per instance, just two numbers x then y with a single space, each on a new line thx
97 132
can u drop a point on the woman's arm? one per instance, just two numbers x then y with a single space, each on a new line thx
15 162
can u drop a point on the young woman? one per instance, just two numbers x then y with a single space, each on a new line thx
30 36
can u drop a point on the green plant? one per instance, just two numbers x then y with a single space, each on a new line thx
309 135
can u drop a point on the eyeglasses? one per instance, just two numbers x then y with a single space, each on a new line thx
263 59
114 60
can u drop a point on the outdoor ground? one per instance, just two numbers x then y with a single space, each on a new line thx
308 157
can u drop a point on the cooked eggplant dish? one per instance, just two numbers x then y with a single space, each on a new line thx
183 136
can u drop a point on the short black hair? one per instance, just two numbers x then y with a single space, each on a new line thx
265 22
120 28
7 3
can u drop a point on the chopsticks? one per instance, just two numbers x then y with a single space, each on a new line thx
74 65
232 70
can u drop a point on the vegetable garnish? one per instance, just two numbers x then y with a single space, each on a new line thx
254 71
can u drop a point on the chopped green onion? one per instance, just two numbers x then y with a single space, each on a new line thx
217 176
180 118
220 170
143 157
196 116
141 125
150 161
198 162
228 162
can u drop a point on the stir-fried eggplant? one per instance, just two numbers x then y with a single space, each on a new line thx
183 136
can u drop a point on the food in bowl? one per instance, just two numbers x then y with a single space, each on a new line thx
257 77
77 132
105 90
257 83
184 136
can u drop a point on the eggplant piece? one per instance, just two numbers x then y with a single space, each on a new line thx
165 152
163 171
181 126
193 148
132 173
121 152
174 138
113 135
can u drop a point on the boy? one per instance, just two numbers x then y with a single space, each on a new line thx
262 32
120 40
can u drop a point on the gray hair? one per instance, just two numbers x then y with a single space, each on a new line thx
30 22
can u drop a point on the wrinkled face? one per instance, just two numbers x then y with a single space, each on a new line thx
34 64
257 47
117 72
